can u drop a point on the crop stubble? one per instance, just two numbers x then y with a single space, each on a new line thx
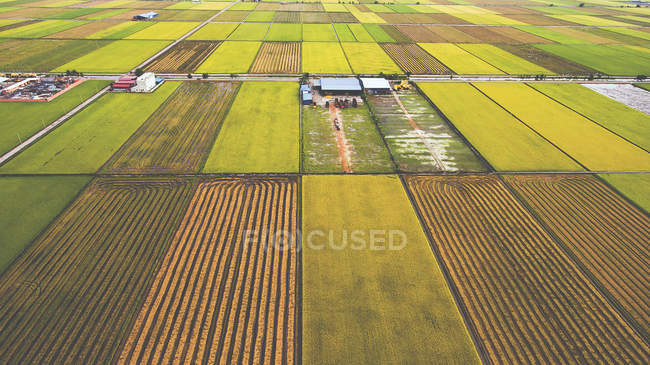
277 57
183 57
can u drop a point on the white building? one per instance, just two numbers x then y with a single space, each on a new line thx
144 83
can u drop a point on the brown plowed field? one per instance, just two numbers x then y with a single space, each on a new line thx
486 35
278 57
178 136
412 58
398 36
547 60
519 36
606 234
82 31
226 291
342 18
184 57
287 17
452 34
419 34
315 17
70 298
526 299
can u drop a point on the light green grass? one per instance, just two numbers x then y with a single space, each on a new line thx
21 120
261 16
590 144
591 20
74 13
243 6
50 55
119 56
503 60
284 32
250 32
631 32
360 33
506 143
41 29
214 32
28 206
344 33
635 187
488 19
643 86
164 30
608 59
107 14
553 35
86 141
369 58
120 31
459 60
373 306
318 32
324 58
377 33
260 132
231 57
619 118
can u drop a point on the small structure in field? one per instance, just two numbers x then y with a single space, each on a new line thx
145 16
144 83
306 95
375 85
340 86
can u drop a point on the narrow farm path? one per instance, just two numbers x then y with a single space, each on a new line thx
341 141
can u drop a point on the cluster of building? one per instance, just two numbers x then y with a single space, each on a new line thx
31 87
144 83
345 86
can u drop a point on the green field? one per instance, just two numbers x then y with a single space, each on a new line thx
261 131
377 33
314 61
643 86
119 56
506 143
285 32
553 35
37 55
164 30
260 16
627 122
344 33
611 60
120 30
86 141
41 29
231 57
22 120
503 60
373 306
587 142
459 60
369 58
28 206
635 187
318 32
249 32
360 33
214 32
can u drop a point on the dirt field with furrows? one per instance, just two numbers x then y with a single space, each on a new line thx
287 17
178 136
419 34
518 36
547 60
315 17
607 234
412 58
226 291
452 34
186 56
526 299
486 35
70 297
398 36
277 57
342 18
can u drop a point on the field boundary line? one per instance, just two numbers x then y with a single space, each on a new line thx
298 297
50 127
600 288
460 305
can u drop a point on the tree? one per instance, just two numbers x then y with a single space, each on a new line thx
205 75
189 75
641 77
139 71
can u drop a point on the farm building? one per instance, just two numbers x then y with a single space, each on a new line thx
144 83
375 85
340 86
124 83
146 16
305 95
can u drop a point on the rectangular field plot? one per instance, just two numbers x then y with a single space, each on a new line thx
418 137
285 32
590 144
505 142
635 187
459 60
231 273
355 146
119 56
164 30
86 141
318 33
40 29
71 296
547 60
604 232
185 56
28 206
314 62
40 55
411 58
526 299
21 120
231 57
627 122
277 57
503 60
351 289
609 59
119 31
249 32
82 31
261 131
178 136
369 58
214 32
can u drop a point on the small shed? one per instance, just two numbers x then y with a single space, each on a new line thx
375 85
336 85
146 16
307 98
144 83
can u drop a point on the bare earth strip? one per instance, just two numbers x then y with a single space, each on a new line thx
70 297
226 291
178 136
527 299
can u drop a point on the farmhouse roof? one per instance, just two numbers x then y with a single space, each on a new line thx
339 84
375 83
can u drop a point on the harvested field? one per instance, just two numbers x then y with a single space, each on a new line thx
412 58
395 34
519 36
178 136
526 299
503 60
604 232
277 57
185 56
446 19
315 17
287 17
70 297
486 35
452 34
419 33
82 31
342 18
226 291
547 60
